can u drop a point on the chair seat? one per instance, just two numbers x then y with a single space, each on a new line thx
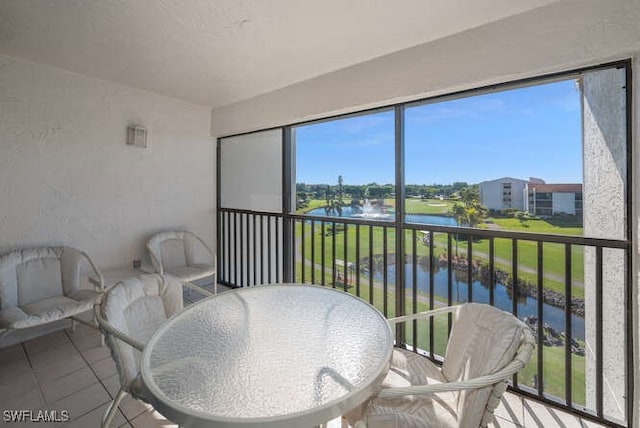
193 272
412 411
47 310
410 369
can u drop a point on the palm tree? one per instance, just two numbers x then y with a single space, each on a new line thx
470 213
459 213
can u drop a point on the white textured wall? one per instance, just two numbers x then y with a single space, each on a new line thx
67 177
251 171
560 36
604 140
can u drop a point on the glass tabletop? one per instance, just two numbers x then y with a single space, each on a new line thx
277 355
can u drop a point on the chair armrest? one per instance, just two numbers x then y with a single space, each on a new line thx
95 270
104 325
209 250
156 263
520 360
475 383
425 314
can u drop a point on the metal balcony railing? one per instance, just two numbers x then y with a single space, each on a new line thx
536 277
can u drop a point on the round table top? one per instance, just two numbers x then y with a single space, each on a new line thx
282 355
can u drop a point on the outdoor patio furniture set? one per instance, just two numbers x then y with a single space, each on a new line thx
41 287
299 354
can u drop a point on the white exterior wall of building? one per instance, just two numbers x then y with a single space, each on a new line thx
492 192
68 177
563 203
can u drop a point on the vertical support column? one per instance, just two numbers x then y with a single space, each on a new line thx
606 205
219 240
287 244
399 220
631 297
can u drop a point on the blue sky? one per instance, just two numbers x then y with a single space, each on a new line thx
527 132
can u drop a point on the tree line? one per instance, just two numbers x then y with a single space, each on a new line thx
374 190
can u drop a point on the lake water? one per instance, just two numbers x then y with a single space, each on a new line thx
348 212
527 306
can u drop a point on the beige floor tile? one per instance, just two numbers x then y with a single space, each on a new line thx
105 368
94 355
152 419
12 354
82 402
511 408
17 386
15 369
42 360
57 389
133 408
88 341
81 331
538 415
503 423
25 420
46 343
30 400
60 368
94 418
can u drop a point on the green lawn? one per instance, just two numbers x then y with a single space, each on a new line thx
425 206
535 225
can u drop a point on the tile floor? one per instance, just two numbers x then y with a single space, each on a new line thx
70 371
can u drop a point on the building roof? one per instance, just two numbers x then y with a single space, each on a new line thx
556 188
505 179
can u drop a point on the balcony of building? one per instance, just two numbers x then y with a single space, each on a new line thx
77 77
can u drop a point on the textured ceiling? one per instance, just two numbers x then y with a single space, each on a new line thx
217 52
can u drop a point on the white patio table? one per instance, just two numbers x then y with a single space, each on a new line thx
283 355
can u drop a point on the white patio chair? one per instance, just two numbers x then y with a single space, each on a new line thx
485 348
128 315
176 253
39 286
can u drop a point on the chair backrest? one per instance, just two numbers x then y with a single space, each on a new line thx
173 249
33 274
483 340
136 307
